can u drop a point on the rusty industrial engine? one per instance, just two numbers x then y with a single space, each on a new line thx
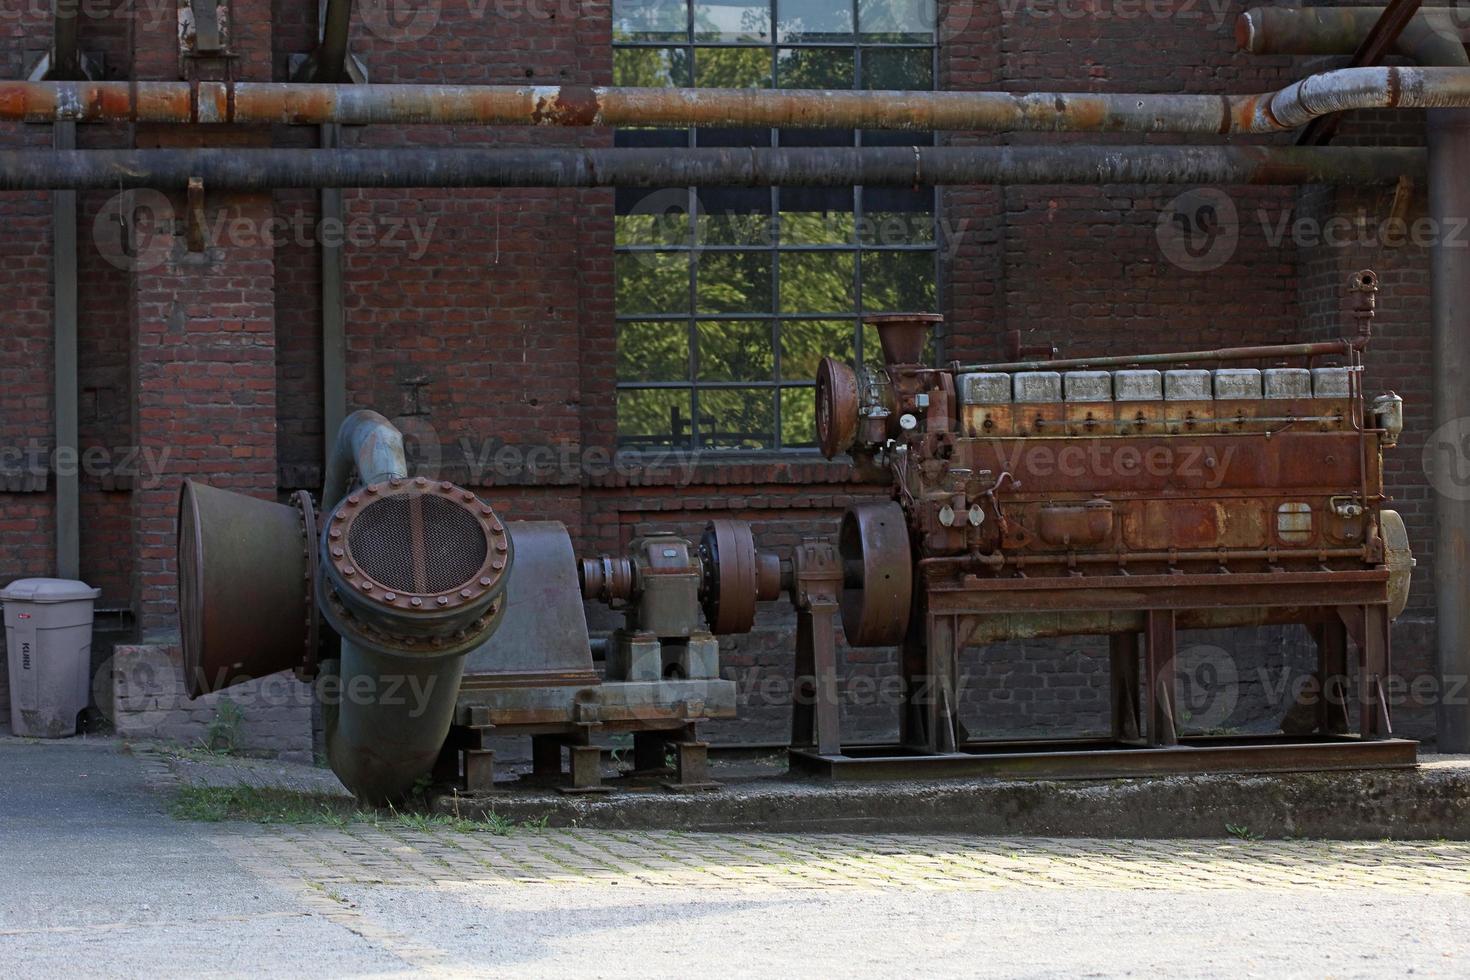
1128 496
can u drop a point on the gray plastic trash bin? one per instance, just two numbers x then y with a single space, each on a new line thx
48 643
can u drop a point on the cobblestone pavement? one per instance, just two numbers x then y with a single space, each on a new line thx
98 880
368 855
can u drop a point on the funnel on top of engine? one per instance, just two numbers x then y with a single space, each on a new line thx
902 335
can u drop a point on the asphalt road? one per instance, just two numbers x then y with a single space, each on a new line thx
97 880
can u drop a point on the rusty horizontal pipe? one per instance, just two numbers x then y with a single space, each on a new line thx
261 103
1339 31
1318 349
729 166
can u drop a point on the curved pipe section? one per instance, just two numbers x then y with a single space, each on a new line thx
389 699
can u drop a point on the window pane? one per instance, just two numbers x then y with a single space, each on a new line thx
898 69
814 68
654 351
902 21
805 342
651 67
898 282
732 20
732 67
650 20
655 218
816 216
651 282
653 418
817 282
738 350
799 417
734 282
735 216
813 20
737 418
897 216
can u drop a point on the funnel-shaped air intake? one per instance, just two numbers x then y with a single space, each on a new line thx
902 335
240 557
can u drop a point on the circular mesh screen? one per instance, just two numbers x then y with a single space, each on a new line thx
418 543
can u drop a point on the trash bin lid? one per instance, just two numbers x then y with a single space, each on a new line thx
47 590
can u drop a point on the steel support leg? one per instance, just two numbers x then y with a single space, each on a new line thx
936 686
586 768
816 714
1124 683
479 770
1162 690
1373 672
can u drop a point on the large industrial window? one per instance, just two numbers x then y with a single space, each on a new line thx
727 298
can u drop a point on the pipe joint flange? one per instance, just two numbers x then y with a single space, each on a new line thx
415 558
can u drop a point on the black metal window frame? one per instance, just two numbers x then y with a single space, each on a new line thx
774 315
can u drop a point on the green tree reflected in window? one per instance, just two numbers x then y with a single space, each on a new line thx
727 298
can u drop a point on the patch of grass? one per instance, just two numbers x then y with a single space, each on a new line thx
212 804
252 804
222 736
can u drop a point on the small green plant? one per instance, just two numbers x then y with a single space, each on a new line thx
1241 832
222 736
212 804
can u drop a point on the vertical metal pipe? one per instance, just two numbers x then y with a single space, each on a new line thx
1449 207
64 385
334 319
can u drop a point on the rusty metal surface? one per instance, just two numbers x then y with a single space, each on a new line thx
730 588
264 103
242 594
875 604
1040 499
1377 44
837 406
902 335
386 551
1107 760
255 169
